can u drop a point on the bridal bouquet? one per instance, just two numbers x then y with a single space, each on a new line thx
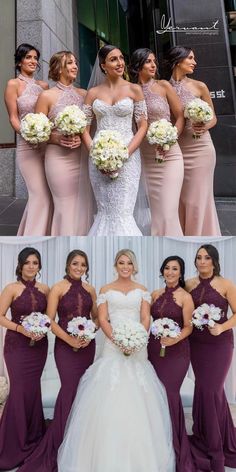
198 111
35 128
71 120
108 152
163 134
36 323
206 315
130 336
81 327
165 327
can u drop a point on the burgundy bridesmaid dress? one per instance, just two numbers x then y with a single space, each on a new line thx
71 366
163 181
214 435
197 209
171 370
22 423
37 216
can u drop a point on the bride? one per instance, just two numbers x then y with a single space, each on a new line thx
120 417
114 103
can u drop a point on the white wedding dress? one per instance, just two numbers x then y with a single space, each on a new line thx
116 198
119 420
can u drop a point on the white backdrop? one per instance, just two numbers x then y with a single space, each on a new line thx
150 252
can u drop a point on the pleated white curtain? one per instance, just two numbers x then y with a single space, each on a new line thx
150 252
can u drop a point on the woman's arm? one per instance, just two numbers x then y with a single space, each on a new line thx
175 106
103 317
94 310
145 317
188 308
6 299
200 128
219 328
88 101
141 121
10 98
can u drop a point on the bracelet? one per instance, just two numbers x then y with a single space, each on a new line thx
16 327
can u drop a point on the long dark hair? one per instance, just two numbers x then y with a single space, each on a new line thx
22 51
72 255
214 254
22 258
175 55
137 62
181 264
103 53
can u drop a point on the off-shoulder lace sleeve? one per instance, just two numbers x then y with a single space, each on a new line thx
102 298
140 110
146 297
88 111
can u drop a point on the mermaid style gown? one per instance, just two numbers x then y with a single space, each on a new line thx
67 175
214 435
171 370
116 198
163 181
71 366
120 417
198 215
22 423
36 220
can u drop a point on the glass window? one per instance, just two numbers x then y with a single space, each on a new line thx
86 14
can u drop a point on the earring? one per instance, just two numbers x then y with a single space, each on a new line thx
105 72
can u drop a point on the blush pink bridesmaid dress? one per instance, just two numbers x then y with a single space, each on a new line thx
36 220
67 175
197 207
163 181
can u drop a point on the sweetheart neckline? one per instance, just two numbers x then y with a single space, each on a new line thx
112 105
124 293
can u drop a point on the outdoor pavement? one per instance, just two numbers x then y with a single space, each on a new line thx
11 210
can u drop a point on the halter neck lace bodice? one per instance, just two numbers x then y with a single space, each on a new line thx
67 96
157 105
27 100
184 94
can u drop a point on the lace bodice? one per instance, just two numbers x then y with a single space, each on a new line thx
27 100
77 301
205 293
166 306
184 94
157 106
31 299
124 306
67 96
118 116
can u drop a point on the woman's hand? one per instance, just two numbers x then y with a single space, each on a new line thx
216 330
77 342
71 142
23 331
199 128
168 341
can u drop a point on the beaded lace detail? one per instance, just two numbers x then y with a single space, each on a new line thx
166 306
67 96
27 100
157 106
77 301
182 91
31 299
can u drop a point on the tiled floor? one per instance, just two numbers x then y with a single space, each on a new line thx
11 210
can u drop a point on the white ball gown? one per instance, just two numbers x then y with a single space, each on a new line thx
120 419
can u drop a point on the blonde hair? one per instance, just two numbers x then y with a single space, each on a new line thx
57 63
130 254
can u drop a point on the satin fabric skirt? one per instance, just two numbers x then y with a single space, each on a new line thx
72 210
36 220
163 183
198 215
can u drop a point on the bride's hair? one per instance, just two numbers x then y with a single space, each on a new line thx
130 254
103 53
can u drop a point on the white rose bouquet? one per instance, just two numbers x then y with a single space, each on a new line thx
71 120
35 128
108 152
206 315
4 389
163 134
165 327
81 327
198 111
130 336
36 323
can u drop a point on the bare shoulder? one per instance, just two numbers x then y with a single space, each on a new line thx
137 91
59 287
141 287
42 84
81 91
165 84
106 288
89 288
191 283
186 295
13 83
156 294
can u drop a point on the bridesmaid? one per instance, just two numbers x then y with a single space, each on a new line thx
20 97
163 181
197 207
63 158
70 297
175 303
214 435
22 423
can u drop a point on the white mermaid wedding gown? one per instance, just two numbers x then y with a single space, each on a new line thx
116 199
120 419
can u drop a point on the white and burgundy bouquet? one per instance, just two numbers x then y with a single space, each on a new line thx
35 128
206 315
81 327
36 323
198 111
71 120
165 327
108 152
163 134
130 336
